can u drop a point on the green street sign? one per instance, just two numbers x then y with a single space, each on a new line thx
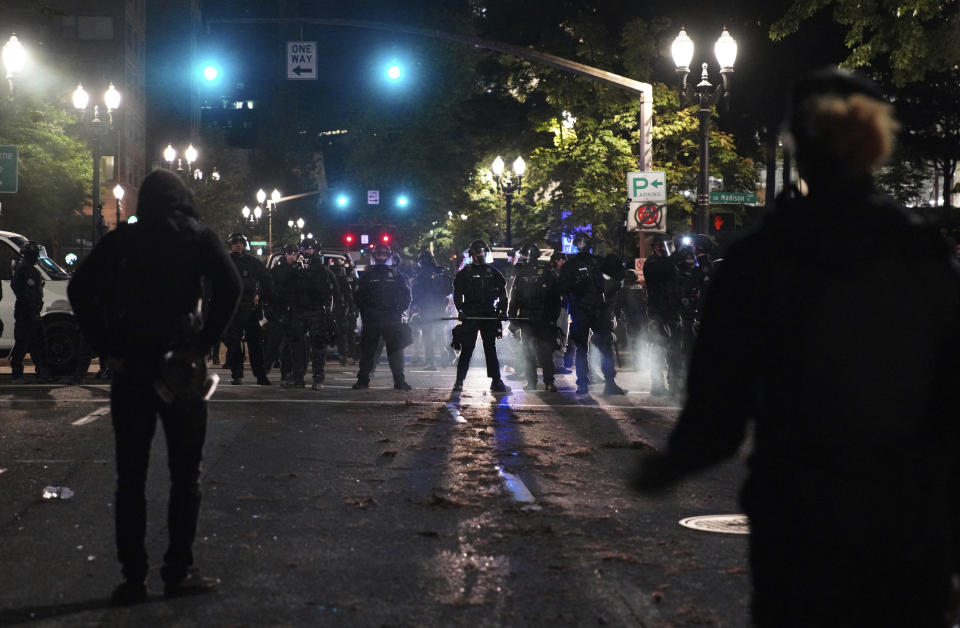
733 198
258 243
8 169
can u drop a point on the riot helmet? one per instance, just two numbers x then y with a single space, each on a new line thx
662 245
478 251
425 259
309 244
381 254
238 238
290 249
30 252
530 253
583 243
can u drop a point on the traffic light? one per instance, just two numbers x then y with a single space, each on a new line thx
726 221
385 238
349 240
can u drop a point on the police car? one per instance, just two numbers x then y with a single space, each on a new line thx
60 331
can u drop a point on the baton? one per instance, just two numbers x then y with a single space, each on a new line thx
479 318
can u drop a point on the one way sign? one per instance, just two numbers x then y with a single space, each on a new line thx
301 60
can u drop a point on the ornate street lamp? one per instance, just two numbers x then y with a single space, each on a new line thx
706 95
508 185
97 131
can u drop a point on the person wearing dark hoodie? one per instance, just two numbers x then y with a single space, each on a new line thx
156 321
833 331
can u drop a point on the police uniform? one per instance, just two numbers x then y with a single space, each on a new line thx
666 324
535 295
316 289
479 292
245 324
342 307
581 278
27 285
281 341
382 297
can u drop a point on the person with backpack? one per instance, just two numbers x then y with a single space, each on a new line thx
155 323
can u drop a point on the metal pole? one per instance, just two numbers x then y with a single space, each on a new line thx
509 194
703 183
270 231
96 187
118 214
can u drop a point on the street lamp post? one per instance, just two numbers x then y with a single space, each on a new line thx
507 185
14 56
275 197
190 154
118 197
707 96
98 130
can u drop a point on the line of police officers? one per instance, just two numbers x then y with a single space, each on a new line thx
307 302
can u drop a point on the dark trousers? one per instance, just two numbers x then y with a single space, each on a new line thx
370 336
245 325
344 335
27 338
583 321
489 331
315 326
538 342
134 408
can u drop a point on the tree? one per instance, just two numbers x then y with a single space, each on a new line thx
910 38
931 125
55 170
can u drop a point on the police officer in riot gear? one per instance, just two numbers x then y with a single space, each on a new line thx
353 284
281 340
663 313
535 295
246 321
480 296
382 297
27 285
581 278
316 290
342 307
431 288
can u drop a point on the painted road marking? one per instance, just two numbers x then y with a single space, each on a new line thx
93 416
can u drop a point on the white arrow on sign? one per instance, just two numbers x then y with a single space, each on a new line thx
647 186
301 60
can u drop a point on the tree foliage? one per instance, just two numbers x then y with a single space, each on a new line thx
911 37
55 170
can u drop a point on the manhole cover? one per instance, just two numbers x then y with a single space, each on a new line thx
727 524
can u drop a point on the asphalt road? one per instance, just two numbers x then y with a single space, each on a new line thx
377 508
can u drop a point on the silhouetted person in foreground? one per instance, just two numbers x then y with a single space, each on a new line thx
834 330
147 318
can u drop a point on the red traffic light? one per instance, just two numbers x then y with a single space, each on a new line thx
349 239
385 238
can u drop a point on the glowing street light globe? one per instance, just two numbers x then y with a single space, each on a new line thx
394 72
210 73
